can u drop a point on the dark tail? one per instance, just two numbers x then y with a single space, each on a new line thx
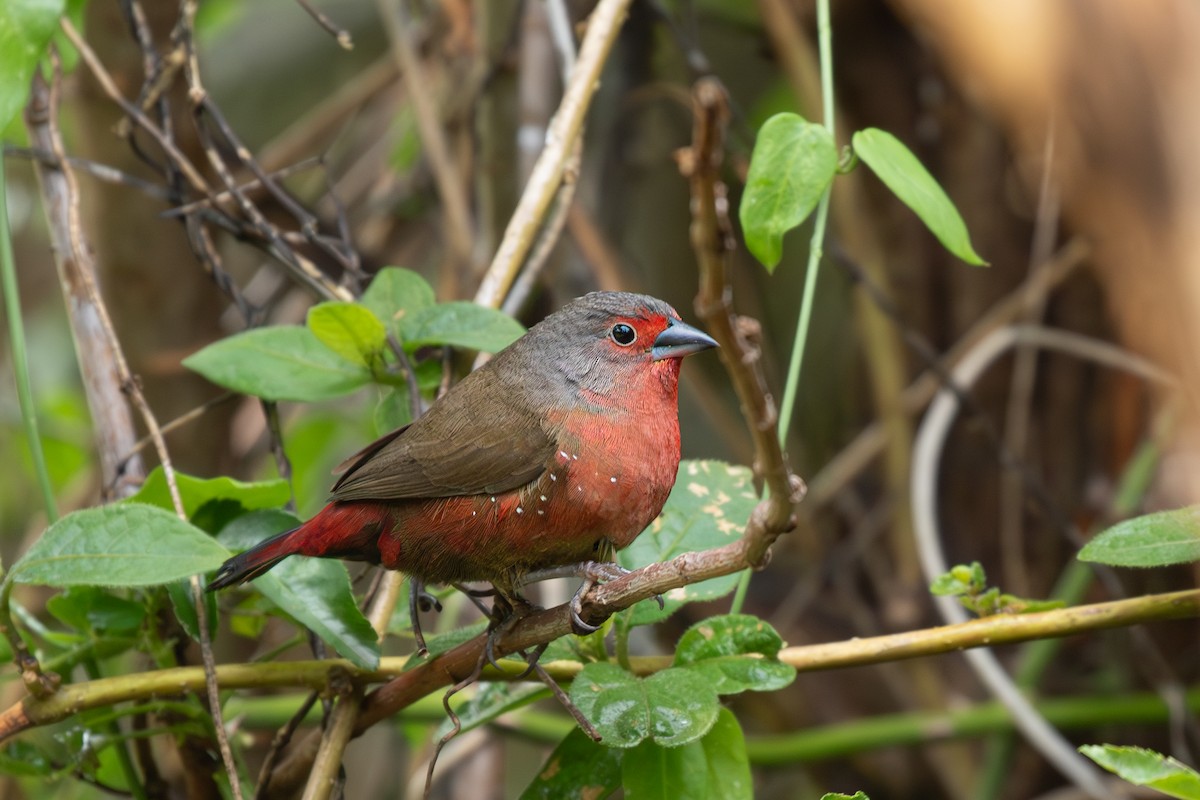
253 562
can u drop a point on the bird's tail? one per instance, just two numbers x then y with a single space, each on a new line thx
254 562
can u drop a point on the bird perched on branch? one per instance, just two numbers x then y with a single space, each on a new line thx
554 454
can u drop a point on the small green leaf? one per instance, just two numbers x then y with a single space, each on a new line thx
313 591
708 507
734 653
195 492
840 796
459 324
350 330
908 179
285 362
578 768
1152 540
961 579
1143 767
94 611
392 411
396 292
791 167
126 544
25 27
672 707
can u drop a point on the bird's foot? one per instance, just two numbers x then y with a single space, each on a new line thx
508 609
593 573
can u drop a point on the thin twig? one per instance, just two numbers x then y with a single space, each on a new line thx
78 252
340 34
603 26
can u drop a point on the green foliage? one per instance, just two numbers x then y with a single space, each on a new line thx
578 767
198 492
714 767
708 507
279 363
1143 767
1152 540
128 544
968 583
350 330
908 179
344 346
839 796
25 28
793 164
459 324
721 655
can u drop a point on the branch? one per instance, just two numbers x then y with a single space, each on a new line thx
712 239
603 26
1001 629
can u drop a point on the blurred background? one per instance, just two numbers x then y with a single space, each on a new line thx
1065 133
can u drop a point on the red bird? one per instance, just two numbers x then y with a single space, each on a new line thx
554 454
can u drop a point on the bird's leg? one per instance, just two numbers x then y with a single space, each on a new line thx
509 607
420 600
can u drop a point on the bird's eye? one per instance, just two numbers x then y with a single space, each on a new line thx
623 334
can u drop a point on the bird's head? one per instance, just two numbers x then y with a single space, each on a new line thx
606 341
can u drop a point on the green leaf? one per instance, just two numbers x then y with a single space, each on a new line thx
908 179
653 772
285 362
708 507
1152 540
459 324
1143 767
126 544
672 707
313 591
840 796
578 768
195 492
792 165
392 411
94 611
25 27
395 293
961 579
734 653
714 768
350 330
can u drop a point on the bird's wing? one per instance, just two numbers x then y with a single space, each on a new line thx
464 445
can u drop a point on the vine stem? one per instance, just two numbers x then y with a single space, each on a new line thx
816 248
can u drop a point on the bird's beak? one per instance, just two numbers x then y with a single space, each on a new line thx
679 340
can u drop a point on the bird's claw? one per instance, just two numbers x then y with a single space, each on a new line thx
593 573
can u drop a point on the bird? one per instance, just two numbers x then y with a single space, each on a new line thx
556 453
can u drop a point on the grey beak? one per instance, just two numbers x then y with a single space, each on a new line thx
679 340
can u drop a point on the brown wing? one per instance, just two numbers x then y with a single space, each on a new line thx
468 443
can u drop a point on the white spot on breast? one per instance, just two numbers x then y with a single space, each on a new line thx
613 479
574 457
520 510
563 453
541 512
542 498
553 477
493 498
